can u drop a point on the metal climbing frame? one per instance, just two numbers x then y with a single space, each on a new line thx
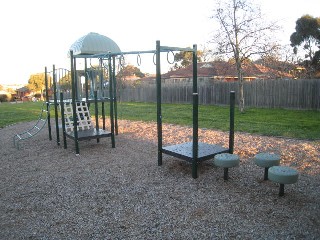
33 130
194 151
96 133
85 128
75 107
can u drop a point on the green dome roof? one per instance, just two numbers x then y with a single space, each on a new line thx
94 43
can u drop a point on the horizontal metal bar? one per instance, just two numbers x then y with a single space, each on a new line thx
107 55
166 48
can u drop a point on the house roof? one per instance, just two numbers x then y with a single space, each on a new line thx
94 43
226 69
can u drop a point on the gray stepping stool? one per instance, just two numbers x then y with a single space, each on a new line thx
226 160
267 160
283 175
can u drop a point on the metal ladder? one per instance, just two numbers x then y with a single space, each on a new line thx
42 120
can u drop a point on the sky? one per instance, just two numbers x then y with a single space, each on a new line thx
38 33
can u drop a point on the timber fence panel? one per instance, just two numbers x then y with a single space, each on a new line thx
295 94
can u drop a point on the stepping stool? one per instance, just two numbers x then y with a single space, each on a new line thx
267 160
226 160
283 175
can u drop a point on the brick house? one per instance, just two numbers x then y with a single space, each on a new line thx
222 71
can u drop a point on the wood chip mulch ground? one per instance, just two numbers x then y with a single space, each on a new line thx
47 192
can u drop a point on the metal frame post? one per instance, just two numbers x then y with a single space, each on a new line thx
74 110
102 93
115 95
231 131
63 121
47 102
195 101
54 75
96 112
159 117
86 79
111 103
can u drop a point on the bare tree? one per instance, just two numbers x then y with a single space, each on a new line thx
243 32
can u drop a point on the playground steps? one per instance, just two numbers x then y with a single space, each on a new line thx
42 120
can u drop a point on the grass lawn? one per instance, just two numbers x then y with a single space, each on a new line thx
298 124
11 113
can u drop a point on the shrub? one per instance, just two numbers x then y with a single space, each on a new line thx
4 97
37 95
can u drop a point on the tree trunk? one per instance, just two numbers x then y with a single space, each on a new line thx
241 96
240 79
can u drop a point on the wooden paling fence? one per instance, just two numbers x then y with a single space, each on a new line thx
294 94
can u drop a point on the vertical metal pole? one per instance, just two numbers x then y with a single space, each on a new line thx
114 80
266 169
86 79
231 131
47 102
111 102
54 75
74 109
63 121
195 114
76 89
281 190
101 78
96 112
159 117
102 95
103 113
225 173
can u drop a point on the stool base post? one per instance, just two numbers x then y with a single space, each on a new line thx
266 173
281 190
225 175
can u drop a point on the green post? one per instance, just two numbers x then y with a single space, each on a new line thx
103 113
100 78
231 131
111 103
86 79
75 75
74 109
101 97
54 75
96 112
115 94
195 114
63 121
159 117
47 102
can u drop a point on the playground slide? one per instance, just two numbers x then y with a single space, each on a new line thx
42 120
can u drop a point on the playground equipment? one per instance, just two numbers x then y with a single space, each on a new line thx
76 122
41 122
85 128
84 88
194 151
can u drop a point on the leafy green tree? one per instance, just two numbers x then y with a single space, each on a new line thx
243 32
307 37
65 82
36 83
183 59
130 70
126 71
